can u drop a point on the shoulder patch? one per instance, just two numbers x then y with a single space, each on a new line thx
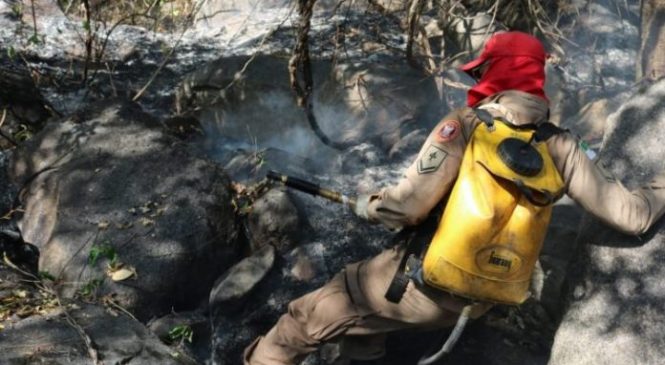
431 159
448 131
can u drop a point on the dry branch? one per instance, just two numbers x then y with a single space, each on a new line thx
300 67
415 9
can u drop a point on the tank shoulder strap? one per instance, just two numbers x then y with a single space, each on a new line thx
547 130
543 131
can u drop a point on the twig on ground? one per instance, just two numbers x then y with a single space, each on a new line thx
4 116
90 345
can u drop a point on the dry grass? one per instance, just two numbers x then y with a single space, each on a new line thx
158 15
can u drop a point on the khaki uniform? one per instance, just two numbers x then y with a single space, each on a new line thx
352 305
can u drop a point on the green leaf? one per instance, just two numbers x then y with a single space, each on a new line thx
11 52
94 254
102 251
45 275
90 287
34 39
180 333
17 10
23 133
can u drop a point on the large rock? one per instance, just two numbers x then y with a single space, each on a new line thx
54 339
188 332
107 193
591 120
274 220
237 282
617 312
34 328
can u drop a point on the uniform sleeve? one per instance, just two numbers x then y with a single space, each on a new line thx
631 212
426 181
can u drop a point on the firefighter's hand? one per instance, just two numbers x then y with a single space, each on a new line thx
362 202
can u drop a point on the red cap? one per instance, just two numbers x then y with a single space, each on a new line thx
509 44
515 61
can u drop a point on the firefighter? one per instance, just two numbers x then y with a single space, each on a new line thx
352 307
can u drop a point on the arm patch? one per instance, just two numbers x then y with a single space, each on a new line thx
448 131
431 160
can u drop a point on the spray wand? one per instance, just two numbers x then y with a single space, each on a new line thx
311 188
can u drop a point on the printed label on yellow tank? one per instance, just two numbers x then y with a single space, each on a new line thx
498 260
455 280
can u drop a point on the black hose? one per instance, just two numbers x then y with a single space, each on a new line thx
295 183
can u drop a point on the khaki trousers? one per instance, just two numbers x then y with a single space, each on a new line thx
351 308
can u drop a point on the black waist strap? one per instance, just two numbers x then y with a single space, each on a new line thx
400 280
416 239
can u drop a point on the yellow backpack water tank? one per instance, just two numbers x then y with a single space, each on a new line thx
493 226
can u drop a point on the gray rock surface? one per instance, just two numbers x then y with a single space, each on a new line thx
274 220
52 339
107 188
616 310
196 323
591 120
237 283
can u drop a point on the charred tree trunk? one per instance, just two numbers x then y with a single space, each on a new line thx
651 61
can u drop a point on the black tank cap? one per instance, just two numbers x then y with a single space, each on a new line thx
520 156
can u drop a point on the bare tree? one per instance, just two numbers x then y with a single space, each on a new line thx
651 62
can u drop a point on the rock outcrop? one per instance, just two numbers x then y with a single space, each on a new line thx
120 209
58 339
616 312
